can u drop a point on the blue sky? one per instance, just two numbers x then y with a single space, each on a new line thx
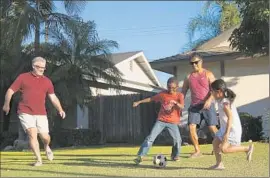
156 28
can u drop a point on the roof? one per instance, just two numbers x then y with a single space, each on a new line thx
218 39
211 48
141 60
119 57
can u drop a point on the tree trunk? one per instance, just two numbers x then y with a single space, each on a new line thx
46 29
37 31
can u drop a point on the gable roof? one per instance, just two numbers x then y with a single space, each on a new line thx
141 60
218 39
119 57
210 50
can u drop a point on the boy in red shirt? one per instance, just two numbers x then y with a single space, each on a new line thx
172 102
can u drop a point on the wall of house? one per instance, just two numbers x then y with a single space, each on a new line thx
248 78
132 71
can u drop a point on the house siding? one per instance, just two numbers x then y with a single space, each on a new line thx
248 78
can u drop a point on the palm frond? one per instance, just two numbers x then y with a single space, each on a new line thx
74 7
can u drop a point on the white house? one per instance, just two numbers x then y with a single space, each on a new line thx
137 76
247 77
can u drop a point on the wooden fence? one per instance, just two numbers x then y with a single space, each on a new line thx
118 121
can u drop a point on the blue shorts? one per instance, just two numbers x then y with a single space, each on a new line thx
196 114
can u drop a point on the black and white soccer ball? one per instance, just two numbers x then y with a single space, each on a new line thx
160 161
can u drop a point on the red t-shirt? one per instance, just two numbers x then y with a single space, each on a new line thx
34 90
169 112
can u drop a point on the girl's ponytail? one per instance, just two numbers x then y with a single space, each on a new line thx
228 93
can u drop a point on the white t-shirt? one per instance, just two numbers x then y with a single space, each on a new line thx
236 129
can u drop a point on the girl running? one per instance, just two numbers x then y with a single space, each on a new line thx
228 137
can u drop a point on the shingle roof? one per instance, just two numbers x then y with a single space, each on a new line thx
208 49
184 57
119 57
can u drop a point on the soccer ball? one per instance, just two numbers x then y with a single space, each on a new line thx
160 161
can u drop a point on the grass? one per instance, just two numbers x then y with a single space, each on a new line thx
118 161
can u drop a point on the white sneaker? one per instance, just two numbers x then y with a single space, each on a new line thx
38 163
49 155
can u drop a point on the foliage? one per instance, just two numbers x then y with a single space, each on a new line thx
75 53
216 17
75 137
252 37
251 127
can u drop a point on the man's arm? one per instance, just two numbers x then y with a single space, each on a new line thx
185 86
15 86
8 97
211 79
56 103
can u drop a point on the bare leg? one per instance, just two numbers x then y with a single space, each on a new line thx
228 148
45 137
217 151
233 149
46 141
33 141
213 129
194 139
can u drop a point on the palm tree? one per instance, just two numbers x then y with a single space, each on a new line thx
30 15
76 59
216 17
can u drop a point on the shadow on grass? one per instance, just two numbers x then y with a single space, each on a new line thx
58 172
93 162
96 163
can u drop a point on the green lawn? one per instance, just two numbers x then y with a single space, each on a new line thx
117 161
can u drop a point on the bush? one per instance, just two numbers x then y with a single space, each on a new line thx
75 137
251 127
7 138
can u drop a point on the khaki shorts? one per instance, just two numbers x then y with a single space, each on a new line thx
34 121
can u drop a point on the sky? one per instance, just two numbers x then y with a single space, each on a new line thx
158 28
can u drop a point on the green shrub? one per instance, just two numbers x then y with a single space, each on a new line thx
7 138
251 127
75 137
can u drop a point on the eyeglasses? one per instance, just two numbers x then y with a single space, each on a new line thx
39 67
195 62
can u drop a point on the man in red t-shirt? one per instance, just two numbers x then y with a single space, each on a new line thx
172 103
34 87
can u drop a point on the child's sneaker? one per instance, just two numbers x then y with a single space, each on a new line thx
175 158
138 160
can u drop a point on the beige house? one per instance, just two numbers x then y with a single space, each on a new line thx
136 72
247 77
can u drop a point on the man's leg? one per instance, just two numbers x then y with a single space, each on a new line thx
43 130
34 145
211 120
175 134
194 139
210 117
148 142
193 120
28 123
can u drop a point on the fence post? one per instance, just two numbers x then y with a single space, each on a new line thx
101 120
